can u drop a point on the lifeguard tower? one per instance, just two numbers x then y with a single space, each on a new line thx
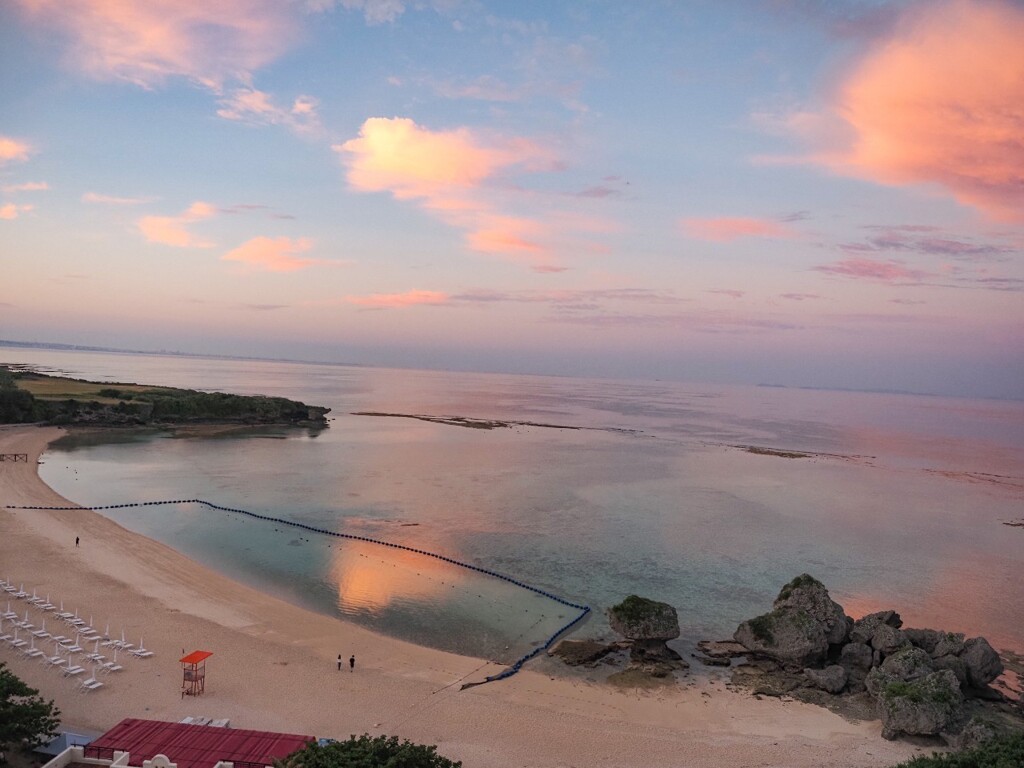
193 673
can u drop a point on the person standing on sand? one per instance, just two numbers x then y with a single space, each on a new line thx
76 541
339 662
352 663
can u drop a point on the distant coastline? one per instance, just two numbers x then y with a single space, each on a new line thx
28 396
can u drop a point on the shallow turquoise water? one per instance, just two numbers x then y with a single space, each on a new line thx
650 499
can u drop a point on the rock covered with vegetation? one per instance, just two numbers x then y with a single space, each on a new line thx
31 397
803 623
638 618
917 681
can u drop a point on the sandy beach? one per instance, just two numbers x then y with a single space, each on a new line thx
274 665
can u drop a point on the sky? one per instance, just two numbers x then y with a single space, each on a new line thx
801 192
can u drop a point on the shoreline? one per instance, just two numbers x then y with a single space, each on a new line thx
274 665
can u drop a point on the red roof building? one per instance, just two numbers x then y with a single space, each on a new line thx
182 745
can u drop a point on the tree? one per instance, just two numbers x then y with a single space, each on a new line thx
366 752
25 719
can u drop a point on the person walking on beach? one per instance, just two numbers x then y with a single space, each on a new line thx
352 663
339 662
76 541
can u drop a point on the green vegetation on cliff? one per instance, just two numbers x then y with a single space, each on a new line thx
28 396
1000 752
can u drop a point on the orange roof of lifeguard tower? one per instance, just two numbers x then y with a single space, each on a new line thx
195 657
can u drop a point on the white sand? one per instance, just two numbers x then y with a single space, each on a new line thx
274 665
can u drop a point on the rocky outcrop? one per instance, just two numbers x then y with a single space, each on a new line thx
802 626
580 652
982 662
831 679
917 680
637 618
926 706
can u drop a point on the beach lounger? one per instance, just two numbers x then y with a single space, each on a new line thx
187 721
73 670
97 657
141 653
201 720
55 661
33 653
6 638
223 723
108 666
89 685
19 643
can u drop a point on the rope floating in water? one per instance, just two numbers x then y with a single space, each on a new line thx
507 672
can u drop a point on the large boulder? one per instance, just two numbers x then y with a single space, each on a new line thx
864 628
950 644
925 706
887 640
788 635
925 639
856 659
806 593
638 618
905 666
982 662
831 679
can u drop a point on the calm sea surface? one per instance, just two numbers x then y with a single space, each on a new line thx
648 496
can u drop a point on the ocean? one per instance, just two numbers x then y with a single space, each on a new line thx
602 489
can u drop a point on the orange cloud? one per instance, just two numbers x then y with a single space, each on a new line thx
146 42
393 300
941 101
12 149
12 211
171 230
272 254
727 229
449 173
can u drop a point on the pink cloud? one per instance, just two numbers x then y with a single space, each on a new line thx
95 197
727 229
146 42
11 211
870 269
272 254
397 300
172 230
729 292
12 149
253 106
28 186
453 175
939 101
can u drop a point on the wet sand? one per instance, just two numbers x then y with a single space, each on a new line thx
274 665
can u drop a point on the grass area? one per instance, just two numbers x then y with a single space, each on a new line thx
54 388
1000 752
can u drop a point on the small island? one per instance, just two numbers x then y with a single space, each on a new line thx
27 396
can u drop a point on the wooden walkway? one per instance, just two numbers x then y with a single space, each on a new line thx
14 457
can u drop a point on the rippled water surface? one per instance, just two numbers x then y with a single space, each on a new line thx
901 507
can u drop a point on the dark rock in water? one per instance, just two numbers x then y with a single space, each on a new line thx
713 661
925 706
856 659
655 658
805 593
721 649
925 639
577 652
864 628
638 618
950 644
982 662
831 679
